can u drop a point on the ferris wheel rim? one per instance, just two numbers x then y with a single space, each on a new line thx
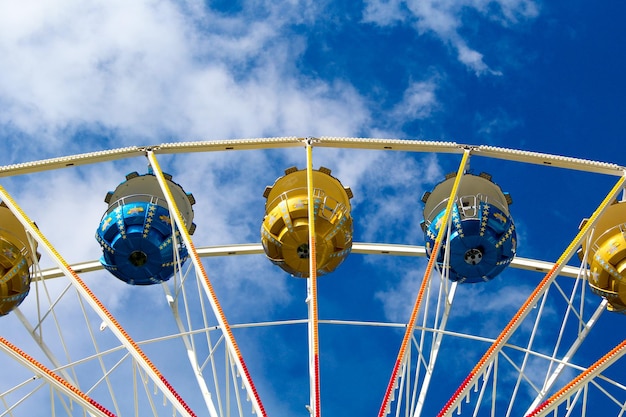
229 145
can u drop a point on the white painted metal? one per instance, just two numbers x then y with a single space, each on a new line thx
496 348
202 277
331 142
552 377
572 391
420 306
95 304
314 405
191 351
438 330
52 379
359 248
445 298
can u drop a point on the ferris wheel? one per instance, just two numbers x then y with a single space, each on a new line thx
147 328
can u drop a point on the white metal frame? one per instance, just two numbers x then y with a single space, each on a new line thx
409 384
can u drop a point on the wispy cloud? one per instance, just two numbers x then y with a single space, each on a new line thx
418 102
398 300
446 19
489 126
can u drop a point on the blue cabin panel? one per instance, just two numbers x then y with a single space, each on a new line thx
136 237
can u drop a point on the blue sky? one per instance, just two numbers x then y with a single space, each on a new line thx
529 75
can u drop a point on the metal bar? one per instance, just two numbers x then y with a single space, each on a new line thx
547 386
385 407
314 361
231 344
191 352
536 158
98 307
581 380
360 248
69 161
329 142
136 151
390 144
228 145
54 380
42 345
545 159
438 337
528 305
529 346
188 338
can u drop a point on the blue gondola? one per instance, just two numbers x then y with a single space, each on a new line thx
139 243
482 239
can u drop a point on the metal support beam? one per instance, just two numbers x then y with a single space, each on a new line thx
88 404
493 351
313 325
580 381
97 306
401 359
229 338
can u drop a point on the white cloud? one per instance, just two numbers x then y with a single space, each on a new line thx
418 102
67 206
471 58
384 12
489 126
445 19
150 70
398 301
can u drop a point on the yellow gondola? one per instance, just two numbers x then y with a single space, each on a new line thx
285 233
606 257
16 258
